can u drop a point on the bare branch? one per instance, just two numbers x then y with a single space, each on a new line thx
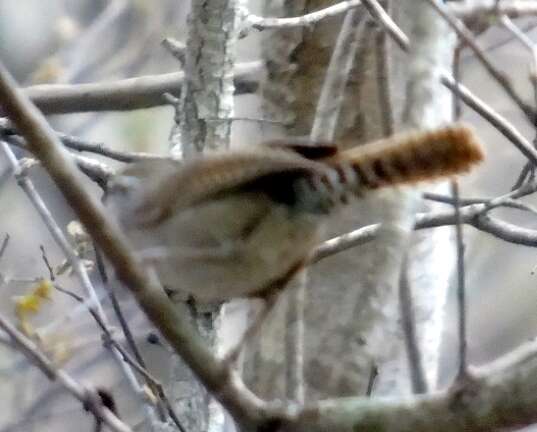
461 288
82 145
95 170
509 203
4 245
262 23
482 8
408 322
381 16
124 95
42 141
74 260
337 74
383 71
87 396
487 112
501 396
176 48
467 37
471 215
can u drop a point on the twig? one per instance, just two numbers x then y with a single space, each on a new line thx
123 95
294 338
482 8
382 17
95 170
502 42
383 71
76 263
87 396
131 342
484 110
408 322
471 215
374 373
499 122
4 245
47 263
262 23
509 203
487 403
528 170
461 289
175 48
223 383
457 103
136 365
75 143
324 129
467 37
337 74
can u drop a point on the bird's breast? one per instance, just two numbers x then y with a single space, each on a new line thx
234 246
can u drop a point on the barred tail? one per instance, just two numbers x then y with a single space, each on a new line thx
412 157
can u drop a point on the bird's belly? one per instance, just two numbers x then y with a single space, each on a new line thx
217 256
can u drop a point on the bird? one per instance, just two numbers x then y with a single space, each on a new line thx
240 223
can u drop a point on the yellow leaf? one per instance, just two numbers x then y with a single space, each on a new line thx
43 289
27 304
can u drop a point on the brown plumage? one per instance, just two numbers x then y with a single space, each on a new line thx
239 223
413 157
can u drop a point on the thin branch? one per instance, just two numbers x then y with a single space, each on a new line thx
294 338
95 170
141 368
76 263
500 397
383 71
46 261
4 245
461 289
408 322
81 145
479 106
505 41
337 74
490 407
175 48
499 122
529 170
84 394
457 71
373 375
155 386
324 129
223 383
262 23
382 17
508 203
127 94
527 43
468 38
482 8
473 215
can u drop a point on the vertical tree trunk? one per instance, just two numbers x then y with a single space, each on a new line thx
204 122
352 314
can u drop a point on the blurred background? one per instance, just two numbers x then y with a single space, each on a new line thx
77 41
